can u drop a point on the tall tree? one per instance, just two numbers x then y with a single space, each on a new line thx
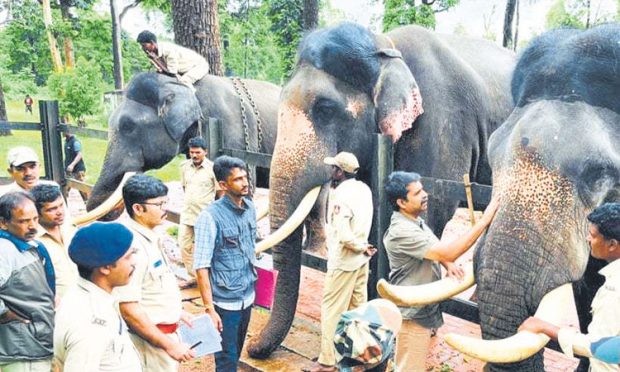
511 6
3 116
116 46
53 44
196 26
311 14
287 24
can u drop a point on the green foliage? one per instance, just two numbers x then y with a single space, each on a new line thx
405 12
78 90
575 13
287 24
251 49
27 42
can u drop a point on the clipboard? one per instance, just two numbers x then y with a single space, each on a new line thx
202 334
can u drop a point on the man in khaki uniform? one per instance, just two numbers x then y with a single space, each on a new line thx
171 59
55 234
414 253
151 302
348 226
201 189
90 334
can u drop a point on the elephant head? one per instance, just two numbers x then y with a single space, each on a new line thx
147 130
554 159
347 86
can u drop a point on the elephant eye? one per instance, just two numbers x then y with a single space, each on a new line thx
324 111
126 126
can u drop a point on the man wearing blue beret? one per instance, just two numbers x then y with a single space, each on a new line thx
90 334
151 302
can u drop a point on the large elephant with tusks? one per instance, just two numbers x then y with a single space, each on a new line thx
554 159
159 115
438 97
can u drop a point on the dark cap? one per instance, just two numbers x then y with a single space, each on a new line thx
100 244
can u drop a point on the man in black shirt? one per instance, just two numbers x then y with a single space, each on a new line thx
74 161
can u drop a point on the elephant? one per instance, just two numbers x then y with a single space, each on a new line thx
437 97
159 115
554 159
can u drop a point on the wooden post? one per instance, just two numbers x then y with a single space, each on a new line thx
213 136
52 143
382 166
470 201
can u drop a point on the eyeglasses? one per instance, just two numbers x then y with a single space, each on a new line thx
160 204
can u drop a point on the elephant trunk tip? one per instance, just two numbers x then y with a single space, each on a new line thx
259 349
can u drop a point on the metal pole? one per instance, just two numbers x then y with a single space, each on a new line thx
214 138
52 143
382 166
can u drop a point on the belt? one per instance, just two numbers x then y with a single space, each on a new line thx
167 328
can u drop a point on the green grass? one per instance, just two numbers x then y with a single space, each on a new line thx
93 149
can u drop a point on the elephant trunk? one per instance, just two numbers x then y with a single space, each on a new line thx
116 163
297 167
515 266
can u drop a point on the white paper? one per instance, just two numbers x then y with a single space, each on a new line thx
203 332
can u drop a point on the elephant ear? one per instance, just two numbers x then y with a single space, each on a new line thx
396 95
179 109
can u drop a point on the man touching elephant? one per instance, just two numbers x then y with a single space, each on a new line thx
173 60
348 225
414 253
604 240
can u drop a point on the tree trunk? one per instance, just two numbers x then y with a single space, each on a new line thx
196 26
517 17
67 39
508 17
116 46
311 15
3 112
53 44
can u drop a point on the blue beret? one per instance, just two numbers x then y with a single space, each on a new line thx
100 244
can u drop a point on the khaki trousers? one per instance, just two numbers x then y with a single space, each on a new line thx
186 244
154 359
342 291
43 365
412 346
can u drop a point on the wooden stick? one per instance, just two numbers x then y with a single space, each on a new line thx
470 200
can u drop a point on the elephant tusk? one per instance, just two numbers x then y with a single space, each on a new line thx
115 200
262 213
292 223
418 295
522 345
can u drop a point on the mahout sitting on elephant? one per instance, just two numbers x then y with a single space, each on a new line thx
438 97
159 115
554 159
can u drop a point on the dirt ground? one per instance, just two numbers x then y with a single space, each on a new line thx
302 343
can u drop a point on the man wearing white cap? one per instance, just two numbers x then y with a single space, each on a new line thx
24 168
349 219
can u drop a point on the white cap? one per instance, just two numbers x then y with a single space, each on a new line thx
345 161
20 155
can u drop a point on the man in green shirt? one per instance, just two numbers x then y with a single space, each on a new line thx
414 253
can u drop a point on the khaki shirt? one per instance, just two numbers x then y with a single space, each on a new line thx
180 60
200 185
65 269
605 319
90 334
406 242
153 284
13 187
349 219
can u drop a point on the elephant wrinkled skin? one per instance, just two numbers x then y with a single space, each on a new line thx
554 159
437 96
